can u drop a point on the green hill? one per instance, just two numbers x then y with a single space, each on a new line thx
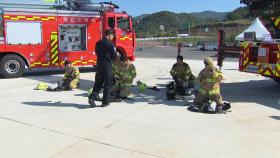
175 23
209 15
237 14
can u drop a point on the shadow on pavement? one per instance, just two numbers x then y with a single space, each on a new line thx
41 72
149 97
263 92
56 104
52 71
275 117
50 76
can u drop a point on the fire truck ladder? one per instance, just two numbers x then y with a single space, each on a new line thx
75 5
86 5
25 5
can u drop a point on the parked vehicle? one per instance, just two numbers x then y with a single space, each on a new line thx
183 35
45 38
208 46
187 44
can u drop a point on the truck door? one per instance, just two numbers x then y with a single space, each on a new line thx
124 34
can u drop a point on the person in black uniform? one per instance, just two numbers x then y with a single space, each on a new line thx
106 52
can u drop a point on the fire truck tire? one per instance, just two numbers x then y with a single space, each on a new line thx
12 66
277 80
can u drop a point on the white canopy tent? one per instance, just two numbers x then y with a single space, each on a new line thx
262 34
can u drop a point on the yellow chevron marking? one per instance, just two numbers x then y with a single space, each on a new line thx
51 18
45 64
54 42
21 16
277 22
54 55
29 18
124 38
14 18
55 60
267 72
54 35
54 48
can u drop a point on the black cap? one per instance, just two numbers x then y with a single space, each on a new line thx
180 57
109 32
67 63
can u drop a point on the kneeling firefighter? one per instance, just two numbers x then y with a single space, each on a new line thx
71 76
209 80
182 75
124 72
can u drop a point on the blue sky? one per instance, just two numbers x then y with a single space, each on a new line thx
138 7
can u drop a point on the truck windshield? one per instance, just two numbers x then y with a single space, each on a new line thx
123 23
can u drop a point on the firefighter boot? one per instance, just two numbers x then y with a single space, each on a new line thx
91 100
203 107
226 106
105 104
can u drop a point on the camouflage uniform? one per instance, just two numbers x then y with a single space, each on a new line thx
209 79
115 66
124 73
72 76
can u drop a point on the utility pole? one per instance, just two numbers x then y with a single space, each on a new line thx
190 23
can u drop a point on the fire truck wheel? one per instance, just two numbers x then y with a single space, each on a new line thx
277 80
12 66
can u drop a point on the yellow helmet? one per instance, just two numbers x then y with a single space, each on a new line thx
42 86
209 62
142 86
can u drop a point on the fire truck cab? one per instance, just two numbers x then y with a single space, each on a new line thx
45 38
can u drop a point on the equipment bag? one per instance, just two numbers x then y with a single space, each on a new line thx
170 91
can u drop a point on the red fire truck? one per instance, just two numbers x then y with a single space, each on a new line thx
263 57
45 38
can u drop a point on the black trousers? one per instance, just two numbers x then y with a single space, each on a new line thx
104 77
